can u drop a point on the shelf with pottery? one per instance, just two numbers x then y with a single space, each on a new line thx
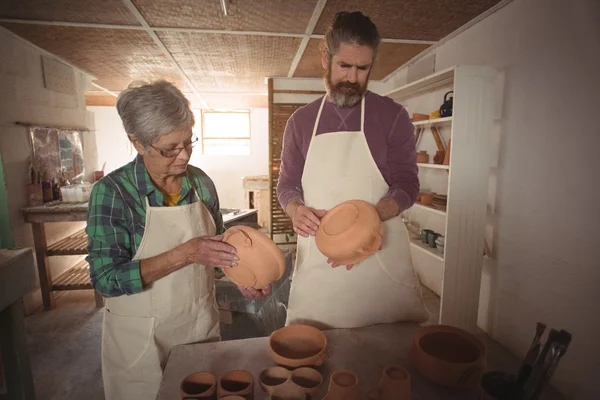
463 133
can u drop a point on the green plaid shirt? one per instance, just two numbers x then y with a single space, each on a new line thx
116 222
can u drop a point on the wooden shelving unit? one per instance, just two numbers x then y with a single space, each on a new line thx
463 223
76 278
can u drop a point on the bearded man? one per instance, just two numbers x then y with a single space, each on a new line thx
351 144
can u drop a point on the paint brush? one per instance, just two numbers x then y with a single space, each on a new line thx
559 349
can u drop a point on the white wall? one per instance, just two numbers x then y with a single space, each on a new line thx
24 98
546 212
226 171
113 145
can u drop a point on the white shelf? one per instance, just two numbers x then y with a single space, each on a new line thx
434 166
424 85
426 249
433 122
429 208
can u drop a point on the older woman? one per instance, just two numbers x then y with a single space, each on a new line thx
155 238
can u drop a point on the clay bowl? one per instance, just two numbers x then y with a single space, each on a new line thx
288 391
273 377
449 356
297 346
394 384
350 232
260 261
199 385
236 383
427 198
308 379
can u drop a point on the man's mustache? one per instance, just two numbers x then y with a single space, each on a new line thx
349 85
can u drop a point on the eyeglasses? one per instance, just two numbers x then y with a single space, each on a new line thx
175 152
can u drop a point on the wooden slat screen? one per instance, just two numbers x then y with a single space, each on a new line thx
278 117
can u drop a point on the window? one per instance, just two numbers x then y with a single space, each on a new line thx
223 132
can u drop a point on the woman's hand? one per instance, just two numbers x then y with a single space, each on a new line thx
211 251
255 294
335 265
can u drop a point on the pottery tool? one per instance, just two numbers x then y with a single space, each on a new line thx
535 344
558 351
103 166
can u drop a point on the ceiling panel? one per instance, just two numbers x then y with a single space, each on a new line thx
226 63
391 56
115 57
89 11
409 19
259 15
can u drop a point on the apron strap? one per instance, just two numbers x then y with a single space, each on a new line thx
318 117
362 114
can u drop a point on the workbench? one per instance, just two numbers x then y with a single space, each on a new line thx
78 277
365 351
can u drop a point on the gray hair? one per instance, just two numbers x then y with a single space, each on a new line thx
352 28
151 110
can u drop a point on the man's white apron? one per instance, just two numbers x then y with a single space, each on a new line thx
383 288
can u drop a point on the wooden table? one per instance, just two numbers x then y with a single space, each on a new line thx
78 277
366 351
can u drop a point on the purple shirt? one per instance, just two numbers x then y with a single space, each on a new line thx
389 133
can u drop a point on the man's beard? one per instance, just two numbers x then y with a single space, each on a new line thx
344 94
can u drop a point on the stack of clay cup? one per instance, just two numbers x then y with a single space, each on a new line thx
296 349
234 385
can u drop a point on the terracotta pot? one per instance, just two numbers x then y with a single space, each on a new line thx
394 384
343 385
237 383
449 356
308 379
427 198
350 232
298 346
260 262
288 391
273 377
422 157
199 385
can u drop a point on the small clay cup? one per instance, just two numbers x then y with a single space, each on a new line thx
394 385
449 356
288 391
343 385
427 198
199 385
299 345
422 157
237 383
260 262
308 379
273 377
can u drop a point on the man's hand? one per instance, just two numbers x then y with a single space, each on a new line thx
305 220
335 265
255 294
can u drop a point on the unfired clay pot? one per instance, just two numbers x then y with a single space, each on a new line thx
306 379
273 377
422 157
237 383
298 346
427 198
199 385
260 263
449 356
343 385
350 232
394 385
288 391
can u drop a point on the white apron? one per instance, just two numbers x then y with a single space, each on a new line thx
139 330
383 288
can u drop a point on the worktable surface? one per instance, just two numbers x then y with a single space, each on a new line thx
366 351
